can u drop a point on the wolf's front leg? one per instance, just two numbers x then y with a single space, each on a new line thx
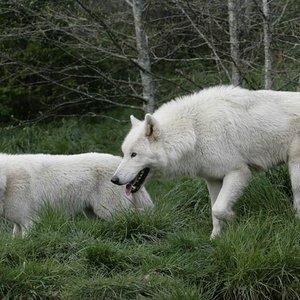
25 228
294 169
233 185
17 231
214 187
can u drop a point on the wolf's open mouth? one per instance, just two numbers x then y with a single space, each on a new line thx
134 185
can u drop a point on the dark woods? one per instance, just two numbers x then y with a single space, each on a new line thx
81 58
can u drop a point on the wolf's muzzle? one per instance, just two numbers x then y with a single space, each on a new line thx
115 180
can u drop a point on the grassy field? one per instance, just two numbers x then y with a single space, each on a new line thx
161 254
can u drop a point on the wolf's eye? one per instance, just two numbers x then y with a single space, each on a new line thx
133 154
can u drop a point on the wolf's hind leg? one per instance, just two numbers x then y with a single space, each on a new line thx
214 187
234 184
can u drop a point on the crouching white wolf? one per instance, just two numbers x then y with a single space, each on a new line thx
223 134
73 182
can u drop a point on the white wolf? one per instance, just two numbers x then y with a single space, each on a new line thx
73 182
223 134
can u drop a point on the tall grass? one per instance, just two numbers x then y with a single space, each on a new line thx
164 253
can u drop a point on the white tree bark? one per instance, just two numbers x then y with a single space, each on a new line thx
234 41
267 45
138 7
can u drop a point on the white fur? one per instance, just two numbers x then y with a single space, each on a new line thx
74 182
223 134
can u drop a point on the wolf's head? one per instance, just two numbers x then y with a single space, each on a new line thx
140 153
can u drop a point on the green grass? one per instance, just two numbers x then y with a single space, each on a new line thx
164 253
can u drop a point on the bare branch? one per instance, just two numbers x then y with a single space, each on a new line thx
129 3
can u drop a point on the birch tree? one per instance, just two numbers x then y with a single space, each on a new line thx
234 41
267 45
138 8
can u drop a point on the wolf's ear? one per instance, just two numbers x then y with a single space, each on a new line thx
134 121
151 127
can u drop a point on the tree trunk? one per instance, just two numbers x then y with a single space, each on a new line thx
267 45
234 41
138 7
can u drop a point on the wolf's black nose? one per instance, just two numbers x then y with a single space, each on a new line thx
115 180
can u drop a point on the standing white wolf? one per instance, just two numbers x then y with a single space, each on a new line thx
222 134
73 182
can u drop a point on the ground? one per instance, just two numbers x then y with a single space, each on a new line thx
161 254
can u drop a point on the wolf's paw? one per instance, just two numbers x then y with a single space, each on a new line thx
223 214
216 231
214 235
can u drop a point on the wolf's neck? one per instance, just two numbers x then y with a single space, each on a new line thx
179 143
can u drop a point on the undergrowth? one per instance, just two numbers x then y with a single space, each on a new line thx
164 253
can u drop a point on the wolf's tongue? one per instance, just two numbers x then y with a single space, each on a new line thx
128 189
